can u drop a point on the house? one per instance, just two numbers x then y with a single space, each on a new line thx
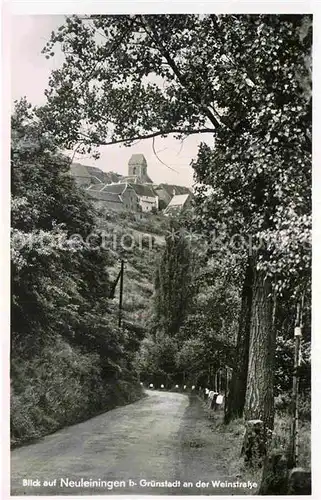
166 192
125 196
119 196
102 199
135 192
178 203
147 197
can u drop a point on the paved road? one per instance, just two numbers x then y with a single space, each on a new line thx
155 439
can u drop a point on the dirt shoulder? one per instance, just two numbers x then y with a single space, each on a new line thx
210 454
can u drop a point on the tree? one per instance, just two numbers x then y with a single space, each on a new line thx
156 360
236 400
207 336
252 180
173 283
243 79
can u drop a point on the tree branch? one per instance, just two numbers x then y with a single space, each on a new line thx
74 152
148 136
175 69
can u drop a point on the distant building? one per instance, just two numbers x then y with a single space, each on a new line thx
147 197
102 199
135 192
178 203
134 197
119 196
166 192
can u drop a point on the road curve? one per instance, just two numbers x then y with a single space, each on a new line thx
151 440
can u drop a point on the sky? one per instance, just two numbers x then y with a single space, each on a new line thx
30 72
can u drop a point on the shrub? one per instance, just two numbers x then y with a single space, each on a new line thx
282 435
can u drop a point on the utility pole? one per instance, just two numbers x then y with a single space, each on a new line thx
294 452
113 289
121 293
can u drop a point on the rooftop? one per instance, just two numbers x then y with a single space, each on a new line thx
117 188
178 200
135 178
144 190
104 195
170 188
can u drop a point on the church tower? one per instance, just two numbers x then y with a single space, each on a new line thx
137 168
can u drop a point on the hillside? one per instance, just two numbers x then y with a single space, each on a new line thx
136 238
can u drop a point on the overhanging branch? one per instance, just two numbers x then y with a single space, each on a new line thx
147 136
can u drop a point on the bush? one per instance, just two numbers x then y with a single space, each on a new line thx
67 353
282 435
282 403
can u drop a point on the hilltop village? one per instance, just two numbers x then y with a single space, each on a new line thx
134 192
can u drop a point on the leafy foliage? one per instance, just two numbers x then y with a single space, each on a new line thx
195 315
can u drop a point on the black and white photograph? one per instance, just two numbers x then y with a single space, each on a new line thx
161 249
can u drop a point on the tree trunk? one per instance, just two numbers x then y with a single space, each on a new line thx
259 402
236 399
254 443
